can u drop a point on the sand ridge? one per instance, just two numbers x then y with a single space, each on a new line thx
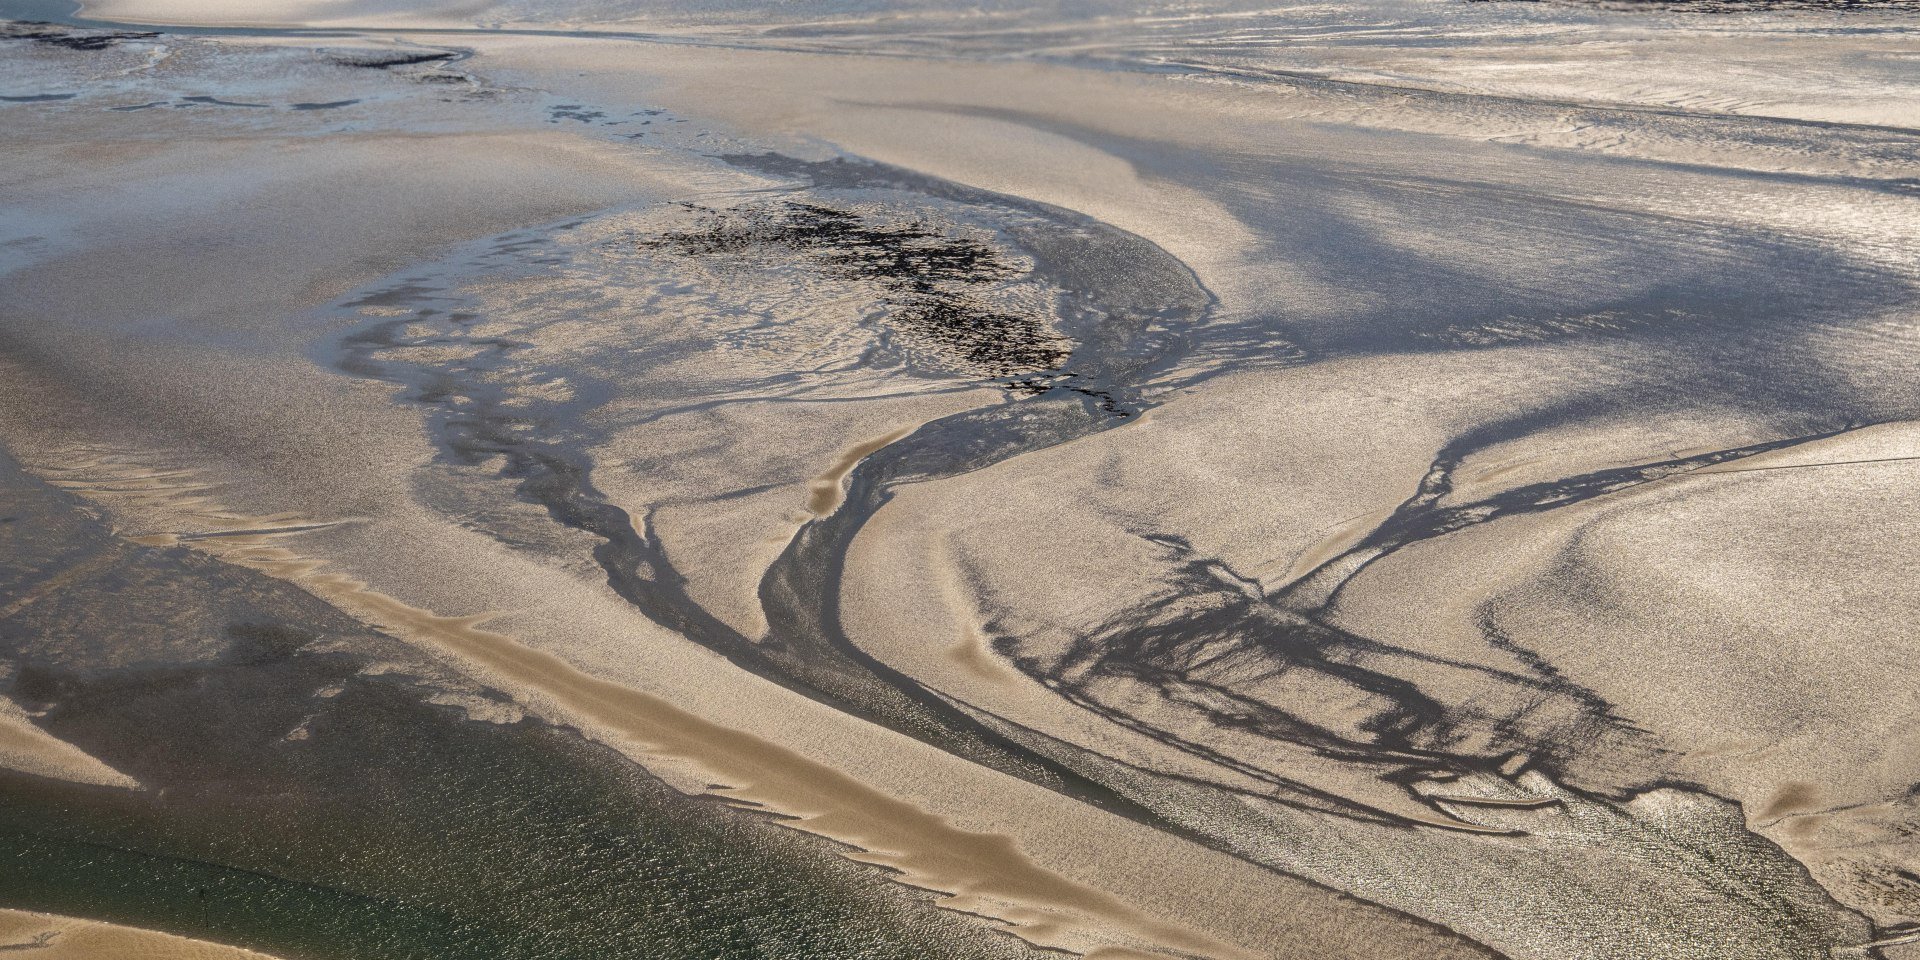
43 936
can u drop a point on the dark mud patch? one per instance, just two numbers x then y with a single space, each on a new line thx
387 61
329 105
574 112
217 102
931 278
53 35
39 98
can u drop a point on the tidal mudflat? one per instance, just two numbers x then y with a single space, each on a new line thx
710 479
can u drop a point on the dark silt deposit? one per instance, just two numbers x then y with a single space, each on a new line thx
927 277
386 60
57 36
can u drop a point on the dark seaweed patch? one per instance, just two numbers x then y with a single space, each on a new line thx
387 61
930 278
217 102
573 111
52 35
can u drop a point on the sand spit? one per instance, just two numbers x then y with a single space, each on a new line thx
43 936
27 748
826 491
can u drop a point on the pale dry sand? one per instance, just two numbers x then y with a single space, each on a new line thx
43 936
27 748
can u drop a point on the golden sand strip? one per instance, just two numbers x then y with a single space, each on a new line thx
977 873
27 748
828 489
45 936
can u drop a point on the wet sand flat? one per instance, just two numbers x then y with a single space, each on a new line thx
557 478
